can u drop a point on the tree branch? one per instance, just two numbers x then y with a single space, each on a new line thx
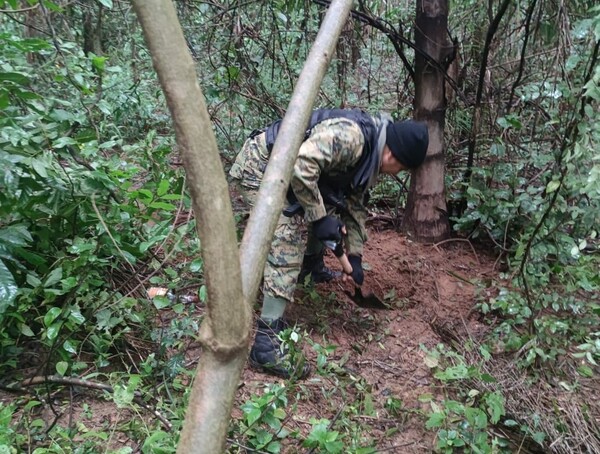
482 69
396 38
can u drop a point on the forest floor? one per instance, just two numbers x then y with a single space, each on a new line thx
377 386
430 291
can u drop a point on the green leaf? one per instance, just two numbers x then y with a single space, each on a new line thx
552 186
458 372
40 167
153 444
123 396
51 315
196 265
431 361
160 302
274 447
69 283
4 100
368 408
163 206
15 235
62 142
163 187
61 368
99 63
33 280
52 331
62 115
26 330
52 6
106 3
487 378
17 78
366 451
69 347
435 420
585 371
495 402
30 257
80 245
203 293
476 417
539 437
54 277
76 316
8 288
143 194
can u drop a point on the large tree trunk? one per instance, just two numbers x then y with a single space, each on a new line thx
425 217
232 279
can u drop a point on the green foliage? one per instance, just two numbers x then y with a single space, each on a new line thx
262 422
88 201
322 438
538 201
464 425
9 438
90 194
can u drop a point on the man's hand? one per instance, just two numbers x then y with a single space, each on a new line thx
357 271
328 228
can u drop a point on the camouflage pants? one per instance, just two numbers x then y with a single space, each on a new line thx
287 248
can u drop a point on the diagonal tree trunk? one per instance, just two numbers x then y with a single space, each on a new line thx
425 217
225 332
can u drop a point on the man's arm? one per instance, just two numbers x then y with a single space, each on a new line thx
355 218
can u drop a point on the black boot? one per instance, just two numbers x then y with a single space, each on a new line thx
267 353
315 265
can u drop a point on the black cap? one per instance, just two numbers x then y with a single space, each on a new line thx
408 141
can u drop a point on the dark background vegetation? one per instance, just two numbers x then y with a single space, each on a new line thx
94 209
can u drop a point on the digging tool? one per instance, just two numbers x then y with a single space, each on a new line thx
366 300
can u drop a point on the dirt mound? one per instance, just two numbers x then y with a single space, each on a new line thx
430 289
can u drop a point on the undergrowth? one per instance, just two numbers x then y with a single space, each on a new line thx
94 210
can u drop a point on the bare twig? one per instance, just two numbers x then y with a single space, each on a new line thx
462 240
73 381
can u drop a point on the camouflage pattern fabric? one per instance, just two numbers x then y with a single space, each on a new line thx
333 148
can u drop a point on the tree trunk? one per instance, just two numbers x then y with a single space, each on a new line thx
225 332
92 32
426 218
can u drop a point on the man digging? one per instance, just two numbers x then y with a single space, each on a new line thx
342 154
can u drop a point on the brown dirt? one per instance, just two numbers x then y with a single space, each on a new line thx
430 292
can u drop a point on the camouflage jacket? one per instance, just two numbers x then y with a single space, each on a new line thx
332 149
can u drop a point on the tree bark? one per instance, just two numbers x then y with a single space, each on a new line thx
92 32
425 217
225 332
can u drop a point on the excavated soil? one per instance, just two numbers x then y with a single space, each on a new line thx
430 292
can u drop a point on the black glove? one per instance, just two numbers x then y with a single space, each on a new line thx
357 271
328 228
